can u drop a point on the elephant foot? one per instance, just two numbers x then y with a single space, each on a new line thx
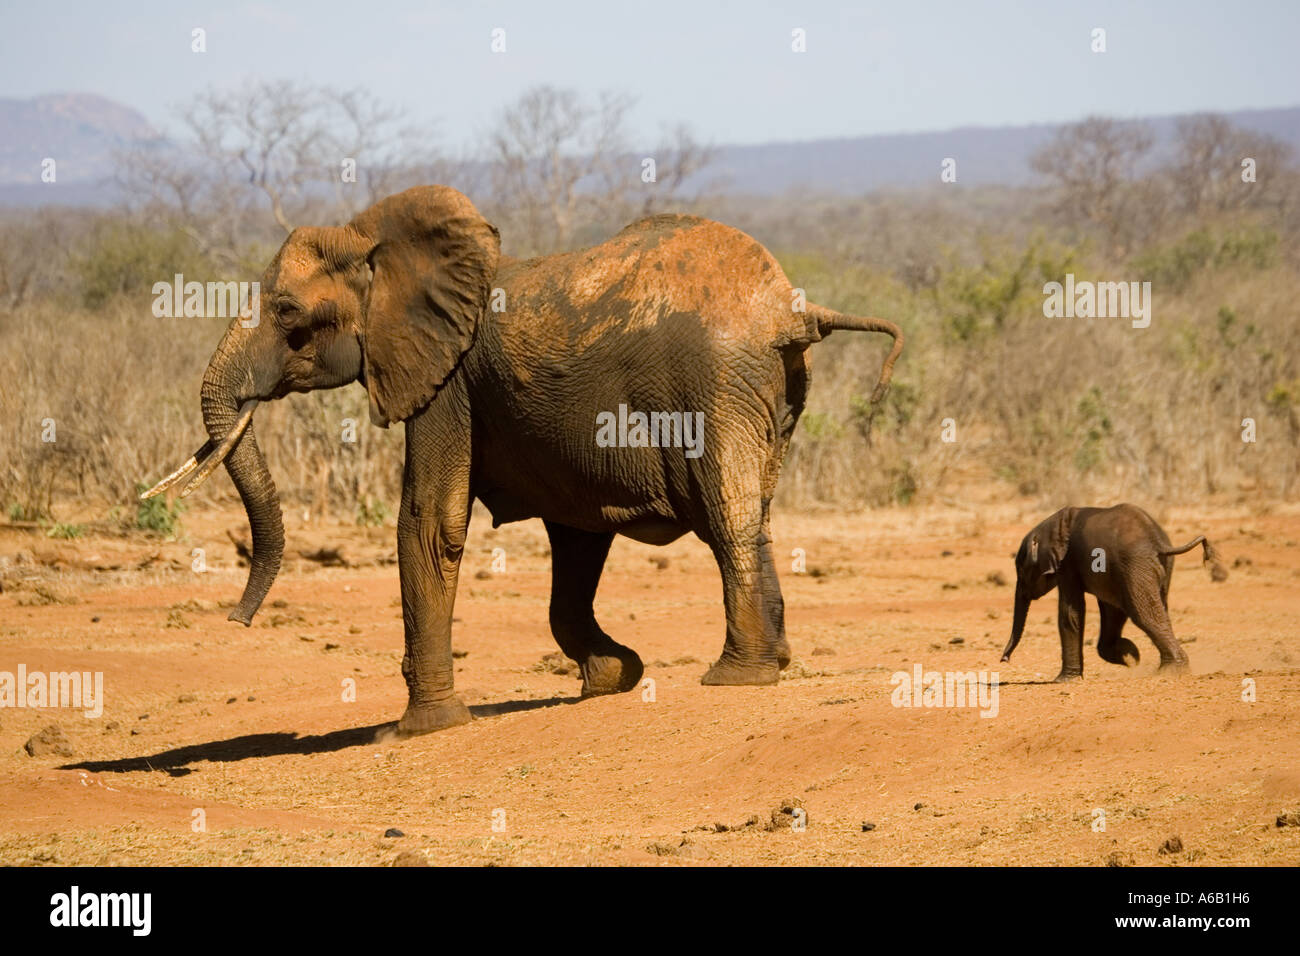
1123 652
782 654
1068 677
614 672
426 718
731 673
1173 668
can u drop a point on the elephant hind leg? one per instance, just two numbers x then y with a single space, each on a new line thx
577 558
1153 617
756 649
1112 647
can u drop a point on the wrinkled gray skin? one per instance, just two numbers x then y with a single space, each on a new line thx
672 314
1134 585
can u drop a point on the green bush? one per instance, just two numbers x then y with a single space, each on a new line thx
1174 266
124 258
371 512
155 515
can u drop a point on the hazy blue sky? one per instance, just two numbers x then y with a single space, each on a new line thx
724 67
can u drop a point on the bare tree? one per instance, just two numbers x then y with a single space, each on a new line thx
678 157
553 161
561 165
294 152
1206 174
1094 165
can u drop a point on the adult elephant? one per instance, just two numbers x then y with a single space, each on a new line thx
508 374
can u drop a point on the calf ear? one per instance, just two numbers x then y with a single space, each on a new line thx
1058 538
433 259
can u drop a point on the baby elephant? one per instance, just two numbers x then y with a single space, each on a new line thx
1121 556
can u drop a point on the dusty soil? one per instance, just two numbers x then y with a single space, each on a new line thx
250 727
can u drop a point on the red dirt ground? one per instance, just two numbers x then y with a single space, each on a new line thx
249 725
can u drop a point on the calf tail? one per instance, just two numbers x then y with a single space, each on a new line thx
1210 557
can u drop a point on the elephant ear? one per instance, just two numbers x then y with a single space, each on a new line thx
1054 533
433 258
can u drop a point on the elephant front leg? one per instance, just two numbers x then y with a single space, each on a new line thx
1070 617
431 530
429 549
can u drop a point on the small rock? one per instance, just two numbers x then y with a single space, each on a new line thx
51 740
958 640
95 619
945 554
393 832
186 699
660 563
331 647
1173 845
410 858
692 851
483 575
251 697
823 652
867 826
1291 819
232 700
919 806
457 653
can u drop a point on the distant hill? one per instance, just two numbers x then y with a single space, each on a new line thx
985 156
82 131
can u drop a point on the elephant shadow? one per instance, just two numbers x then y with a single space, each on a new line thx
176 762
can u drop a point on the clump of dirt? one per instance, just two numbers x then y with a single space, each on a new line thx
51 740
798 669
556 663
789 814
194 606
410 858
1289 819
43 594
685 849
1172 845
176 619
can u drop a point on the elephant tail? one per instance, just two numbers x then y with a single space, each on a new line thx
1210 556
829 321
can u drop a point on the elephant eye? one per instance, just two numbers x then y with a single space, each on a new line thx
298 338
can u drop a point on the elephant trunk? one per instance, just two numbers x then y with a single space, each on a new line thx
223 417
1017 622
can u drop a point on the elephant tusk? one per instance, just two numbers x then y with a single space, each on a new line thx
211 463
180 472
